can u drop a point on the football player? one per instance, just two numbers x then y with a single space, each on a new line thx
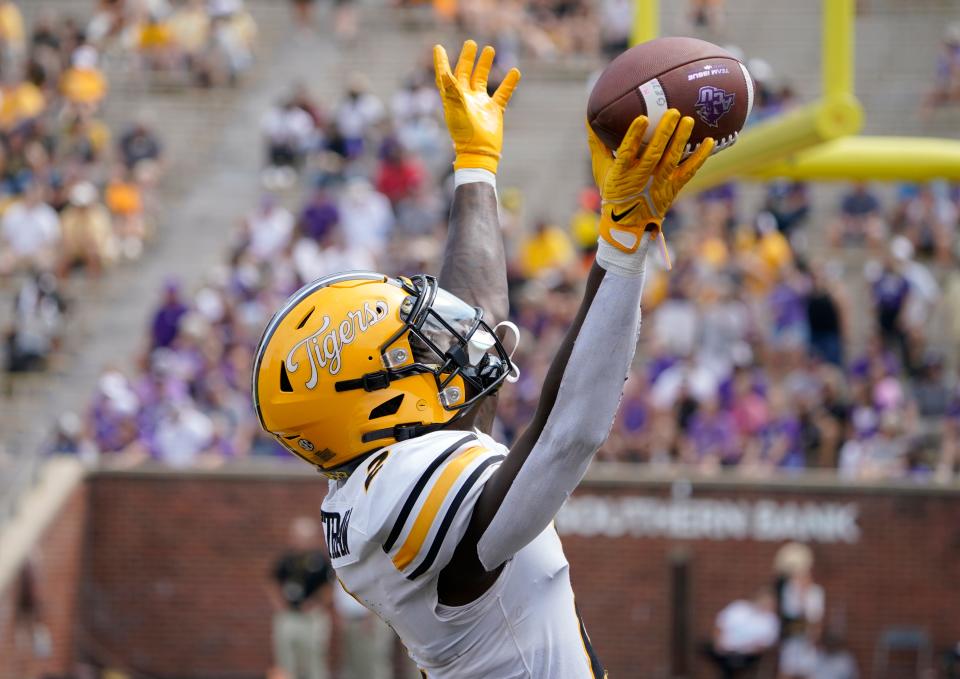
387 386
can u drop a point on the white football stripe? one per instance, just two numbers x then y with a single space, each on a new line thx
655 100
749 81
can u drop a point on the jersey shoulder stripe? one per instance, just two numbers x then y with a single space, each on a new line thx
431 507
414 494
450 514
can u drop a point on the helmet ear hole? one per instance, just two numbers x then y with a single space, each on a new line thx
386 408
306 318
285 385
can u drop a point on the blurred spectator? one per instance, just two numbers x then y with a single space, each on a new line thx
166 319
289 133
189 26
301 598
744 630
345 20
951 305
546 251
140 143
303 12
313 261
890 292
30 233
861 219
88 239
416 118
946 88
365 216
183 432
835 661
36 324
112 419
125 201
269 228
927 217
12 33
83 84
710 14
616 20
320 215
801 607
789 203
399 174
156 43
585 221
70 438
233 35
357 114
826 317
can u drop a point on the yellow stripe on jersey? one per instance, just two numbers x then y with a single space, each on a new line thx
421 525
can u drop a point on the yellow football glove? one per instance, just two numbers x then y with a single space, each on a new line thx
638 188
475 120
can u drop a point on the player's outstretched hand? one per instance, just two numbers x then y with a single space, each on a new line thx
637 188
474 118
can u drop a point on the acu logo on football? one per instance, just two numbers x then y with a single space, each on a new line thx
713 103
335 529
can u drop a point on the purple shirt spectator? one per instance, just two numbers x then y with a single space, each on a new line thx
890 291
319 217
784 431
714 433
166 321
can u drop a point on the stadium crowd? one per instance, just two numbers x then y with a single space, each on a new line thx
77 197
758 352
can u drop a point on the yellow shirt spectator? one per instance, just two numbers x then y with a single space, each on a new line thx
11 25
713 251
774 250
584 223
583 226
547 249
21 102
155 35
83 86
123 198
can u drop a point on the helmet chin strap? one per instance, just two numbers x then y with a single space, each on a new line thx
514 368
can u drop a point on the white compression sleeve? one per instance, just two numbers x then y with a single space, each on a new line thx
587 402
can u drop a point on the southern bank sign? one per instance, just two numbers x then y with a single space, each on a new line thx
694 519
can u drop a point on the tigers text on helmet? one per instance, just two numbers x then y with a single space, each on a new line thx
356 361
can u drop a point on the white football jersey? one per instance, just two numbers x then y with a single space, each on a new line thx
393 525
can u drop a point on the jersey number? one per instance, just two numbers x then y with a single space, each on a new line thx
374 468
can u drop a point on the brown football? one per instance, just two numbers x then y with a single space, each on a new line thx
696 77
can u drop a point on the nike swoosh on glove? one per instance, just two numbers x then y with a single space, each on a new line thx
637 188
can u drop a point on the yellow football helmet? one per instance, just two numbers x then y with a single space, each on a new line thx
357 361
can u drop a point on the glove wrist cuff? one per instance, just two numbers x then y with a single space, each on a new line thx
615 260
473 175
476 161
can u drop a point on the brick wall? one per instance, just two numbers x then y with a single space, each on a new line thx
178 569
54 570
176 565
904 569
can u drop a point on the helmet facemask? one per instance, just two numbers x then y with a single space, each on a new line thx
449 339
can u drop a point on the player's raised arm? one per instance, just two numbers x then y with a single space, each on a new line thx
474 267
585 382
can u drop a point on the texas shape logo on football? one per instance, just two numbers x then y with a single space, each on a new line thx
713 103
